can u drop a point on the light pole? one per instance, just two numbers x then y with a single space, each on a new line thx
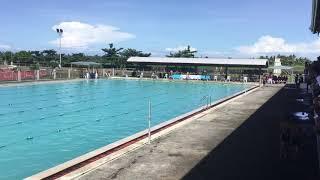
60 32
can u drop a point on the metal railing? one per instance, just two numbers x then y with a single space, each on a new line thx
205 103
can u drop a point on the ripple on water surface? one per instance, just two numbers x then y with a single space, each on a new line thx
47 124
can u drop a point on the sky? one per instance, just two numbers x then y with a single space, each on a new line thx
215 28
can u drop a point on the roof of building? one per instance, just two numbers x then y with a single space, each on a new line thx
85 63
281 67
199 61
315 17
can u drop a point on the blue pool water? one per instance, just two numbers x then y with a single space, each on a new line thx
44 125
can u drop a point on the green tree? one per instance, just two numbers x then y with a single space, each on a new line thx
8 56
111 51
127 53
23 57
37 57
78 57
186 53
51 58
287 60
1 57
113 57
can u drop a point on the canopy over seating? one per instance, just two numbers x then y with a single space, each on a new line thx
281 67
200 61
85 63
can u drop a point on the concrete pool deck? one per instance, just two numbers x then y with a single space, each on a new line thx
173 155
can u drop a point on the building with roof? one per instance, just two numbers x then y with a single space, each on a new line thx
219 67
260 63
85 64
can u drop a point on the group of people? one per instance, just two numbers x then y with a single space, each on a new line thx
273 79
90 75
298 79
312 80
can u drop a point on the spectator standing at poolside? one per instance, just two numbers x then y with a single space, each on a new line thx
296 80
153 75
264 80
301 79
188 76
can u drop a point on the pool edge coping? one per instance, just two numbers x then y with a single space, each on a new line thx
40 82
79 162
183 80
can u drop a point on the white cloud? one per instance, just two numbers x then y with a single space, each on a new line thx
268 45
4 47
180 48
81 35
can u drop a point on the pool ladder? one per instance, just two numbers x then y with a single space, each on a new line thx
208 100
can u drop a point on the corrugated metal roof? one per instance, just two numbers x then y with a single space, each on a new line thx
281 67
200 61
85 63
315 26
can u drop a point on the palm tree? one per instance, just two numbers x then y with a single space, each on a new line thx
127 53
112 56
186 53
112 51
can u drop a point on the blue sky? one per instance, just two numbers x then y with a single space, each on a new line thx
215 28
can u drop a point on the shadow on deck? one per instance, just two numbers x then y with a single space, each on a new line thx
253 150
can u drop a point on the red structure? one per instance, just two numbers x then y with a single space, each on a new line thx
11 75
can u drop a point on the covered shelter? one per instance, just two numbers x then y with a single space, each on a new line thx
85 64
201 62
281 67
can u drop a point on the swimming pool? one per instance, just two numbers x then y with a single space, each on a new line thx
44 125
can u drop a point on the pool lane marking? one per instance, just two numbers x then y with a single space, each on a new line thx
81 101
81 124
71 112
82 95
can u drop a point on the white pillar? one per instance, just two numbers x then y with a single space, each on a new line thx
112 71
19 75
69 73
37 75
103 72
54 75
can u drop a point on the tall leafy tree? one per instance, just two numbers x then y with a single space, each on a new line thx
23 57
8 56
51 58
186 53
287 60
127 53
37 57
78 57
1 57
112 56
112 51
